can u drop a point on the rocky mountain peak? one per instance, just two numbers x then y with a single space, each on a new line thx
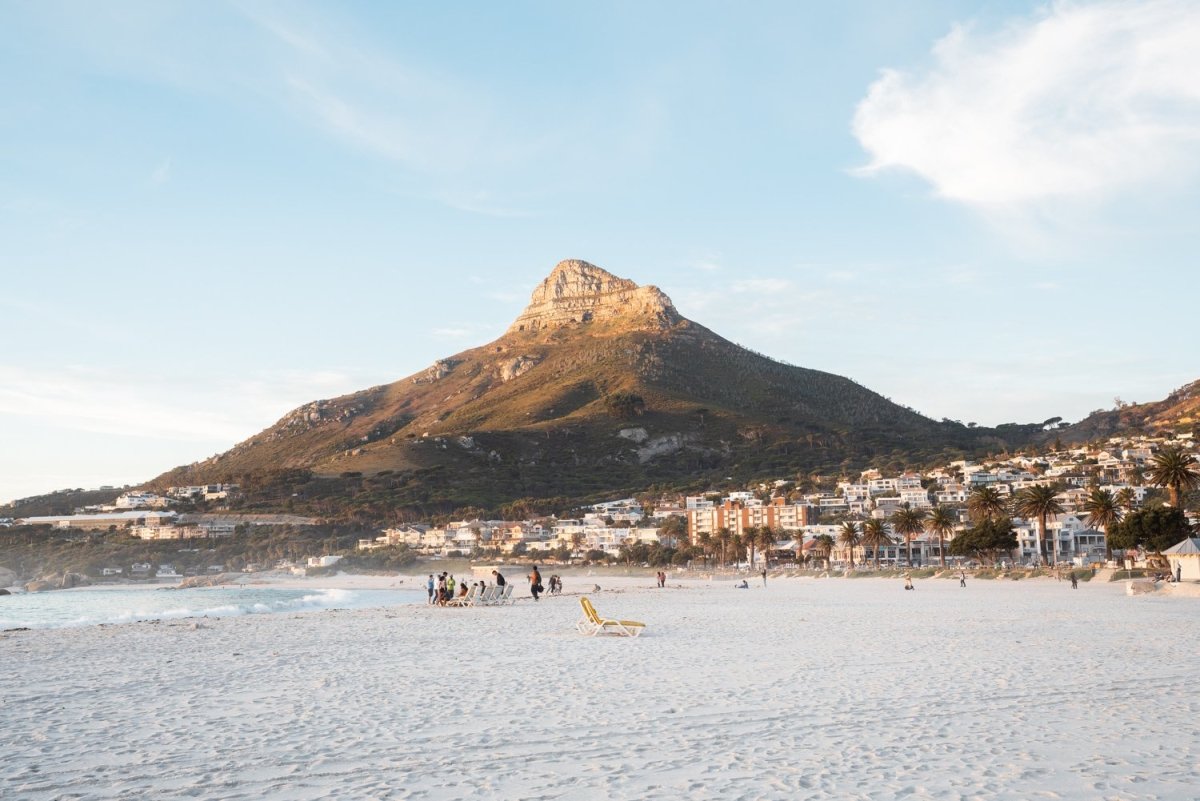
577 292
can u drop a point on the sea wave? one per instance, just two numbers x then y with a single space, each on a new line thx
67 610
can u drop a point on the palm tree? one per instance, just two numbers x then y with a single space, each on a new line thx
705 540
1177 471
749 539
1126 499
1103 511
766 539
875 534
824 547
941 521
1039 501
908 522
985 503
848 537
724 538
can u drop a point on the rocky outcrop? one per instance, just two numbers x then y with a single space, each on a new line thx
57 581
517 367
576 293
7 577
439 370
205 581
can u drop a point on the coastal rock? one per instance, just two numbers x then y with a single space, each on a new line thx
205 581
4 591
7 577
577 292
57 581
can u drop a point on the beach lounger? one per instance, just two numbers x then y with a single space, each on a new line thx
506 596
464 600
489 596
592 624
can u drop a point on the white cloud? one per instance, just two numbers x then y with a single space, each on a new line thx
1080 102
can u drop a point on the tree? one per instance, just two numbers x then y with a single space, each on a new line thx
705 540
766 539
849 539
624 404
985 503
1177 471
986 540
1039 501
824 547
673 529
941 521
908 522
749 539
1154 529
1103 511
724 538
875 534
1126 499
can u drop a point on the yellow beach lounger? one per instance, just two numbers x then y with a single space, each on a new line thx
591 622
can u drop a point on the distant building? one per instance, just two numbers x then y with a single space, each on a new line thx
737 516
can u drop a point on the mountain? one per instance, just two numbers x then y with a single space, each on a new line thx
599 386
1179 411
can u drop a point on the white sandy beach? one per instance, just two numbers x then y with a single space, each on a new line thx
809 688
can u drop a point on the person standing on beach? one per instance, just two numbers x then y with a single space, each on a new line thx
429 587
764 575
1074 581
535 582
500 582
962 578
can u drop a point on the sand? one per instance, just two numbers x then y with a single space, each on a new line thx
808 688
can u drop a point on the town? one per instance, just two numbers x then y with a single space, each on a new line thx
869 520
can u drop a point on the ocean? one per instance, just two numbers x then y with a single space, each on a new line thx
90 606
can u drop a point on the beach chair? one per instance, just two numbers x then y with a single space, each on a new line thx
592 624
506 596
488 597
464 600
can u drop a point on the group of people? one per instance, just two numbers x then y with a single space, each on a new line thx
661 577
445 588
536 587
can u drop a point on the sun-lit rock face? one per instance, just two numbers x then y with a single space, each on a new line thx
577 292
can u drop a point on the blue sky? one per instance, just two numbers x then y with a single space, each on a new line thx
211 213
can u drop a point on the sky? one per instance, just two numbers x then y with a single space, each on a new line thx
213 212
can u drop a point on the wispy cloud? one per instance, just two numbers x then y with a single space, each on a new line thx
1080 102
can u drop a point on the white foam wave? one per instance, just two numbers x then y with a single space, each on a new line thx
131 610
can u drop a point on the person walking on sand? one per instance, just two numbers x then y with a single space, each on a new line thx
429 586
764 575
962 578
1074 581
535 582
908 585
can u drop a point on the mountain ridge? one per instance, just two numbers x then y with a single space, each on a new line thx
599 385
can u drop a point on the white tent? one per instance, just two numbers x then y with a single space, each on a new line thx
1185 558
